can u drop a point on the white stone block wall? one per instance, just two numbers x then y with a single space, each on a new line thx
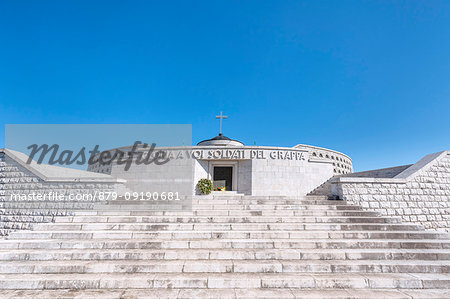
420 195
21 214
288 178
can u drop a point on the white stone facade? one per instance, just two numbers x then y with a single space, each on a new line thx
257 170
420 194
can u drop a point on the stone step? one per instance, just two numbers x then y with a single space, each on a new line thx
237 204
144 251
158 226
280 213
226 194
256 199
143 225
253 200
159 243
218 234
232 199
258 207
224 266
29 218
230 240
261 197
34 212
120 231
230 293
221 219
47 209
416 235
233 208
224 281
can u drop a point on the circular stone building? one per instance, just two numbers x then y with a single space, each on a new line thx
229 164
342 163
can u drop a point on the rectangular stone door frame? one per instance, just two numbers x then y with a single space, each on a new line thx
233 164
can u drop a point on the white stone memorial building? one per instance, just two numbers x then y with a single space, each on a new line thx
248 170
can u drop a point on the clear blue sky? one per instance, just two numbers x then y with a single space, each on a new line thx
368 78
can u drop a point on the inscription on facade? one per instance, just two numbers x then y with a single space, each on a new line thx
237 154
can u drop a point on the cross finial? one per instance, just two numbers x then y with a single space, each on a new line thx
221 117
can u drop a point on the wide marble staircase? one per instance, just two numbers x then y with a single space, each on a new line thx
227 247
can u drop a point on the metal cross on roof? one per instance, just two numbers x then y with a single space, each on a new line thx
221 117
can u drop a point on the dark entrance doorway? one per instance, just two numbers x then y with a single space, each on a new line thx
223 174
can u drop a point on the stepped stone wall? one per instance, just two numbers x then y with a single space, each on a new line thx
15 178
420 193
325 188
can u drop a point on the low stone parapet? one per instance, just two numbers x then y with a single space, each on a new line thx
419 194
37 193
